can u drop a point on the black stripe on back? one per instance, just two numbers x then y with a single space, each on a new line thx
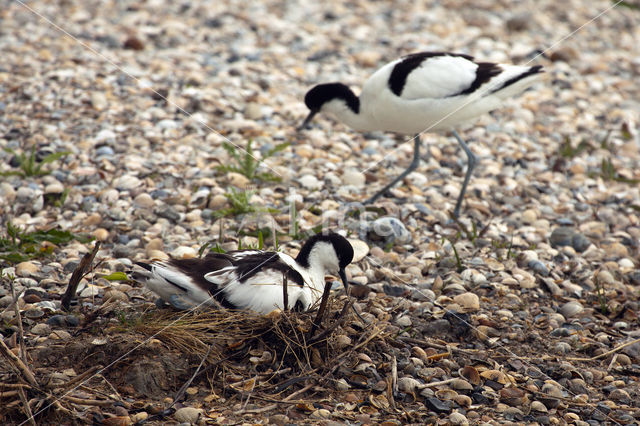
402 69
145 266
245 268
197 268
485 72
251 265
533 70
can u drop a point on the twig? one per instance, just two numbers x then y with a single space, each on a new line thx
285 291
59 407
273 406
93 402
78 378
184 387
14 385
368 339
77 275
614 359
438 346
321 309
26 373
253 386
333 326
114 390
394 375
23 348
443 382
7 394
27 409
614 350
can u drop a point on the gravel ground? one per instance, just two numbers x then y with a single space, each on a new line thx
140 97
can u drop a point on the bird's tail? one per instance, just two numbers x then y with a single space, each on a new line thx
515 79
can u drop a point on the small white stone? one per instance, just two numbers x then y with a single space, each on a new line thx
403 321
468 301
354 177
310 182
7 192
184 252
99 101
626 263
360 249
188 415
90 291
144 200
54 188
127 182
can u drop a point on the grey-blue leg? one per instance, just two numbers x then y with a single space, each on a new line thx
471 164
414 164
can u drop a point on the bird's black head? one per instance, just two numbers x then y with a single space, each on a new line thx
321 94
341 246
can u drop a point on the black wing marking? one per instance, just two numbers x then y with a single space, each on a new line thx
402 69
250 265
533 70
485 72
246 264
196 268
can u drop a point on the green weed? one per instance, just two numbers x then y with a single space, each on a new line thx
116 276
628 4
17 246
602 299
247 165
566 150
28 164
240 203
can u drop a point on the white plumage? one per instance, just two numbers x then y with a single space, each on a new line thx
426 91
249 279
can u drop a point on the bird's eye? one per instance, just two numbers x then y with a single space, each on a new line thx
299 306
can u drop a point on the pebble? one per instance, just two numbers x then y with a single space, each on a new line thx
127 182
468 301
41 329
360 249
457 418
279 419
188 415
567 236
27 269
387 231
310 182
354 177
90 291
144 200
403 321
100 234
54 188
183 252
571 309
99 101
115 295
238 180
7 192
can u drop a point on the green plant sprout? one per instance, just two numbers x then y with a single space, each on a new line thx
28 164
247 165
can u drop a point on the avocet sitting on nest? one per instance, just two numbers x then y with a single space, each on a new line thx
251 279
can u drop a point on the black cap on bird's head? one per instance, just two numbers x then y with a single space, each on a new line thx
341 246
319 95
